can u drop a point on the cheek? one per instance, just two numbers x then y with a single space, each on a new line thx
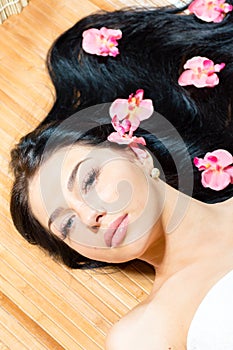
107 190
123 187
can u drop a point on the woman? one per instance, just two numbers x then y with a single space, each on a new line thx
105 201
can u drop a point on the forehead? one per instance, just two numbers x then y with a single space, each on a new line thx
61 157
61 160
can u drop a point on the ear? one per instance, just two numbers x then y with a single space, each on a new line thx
146 160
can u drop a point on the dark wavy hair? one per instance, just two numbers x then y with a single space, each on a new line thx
154 46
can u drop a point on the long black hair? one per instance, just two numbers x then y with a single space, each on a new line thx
154 46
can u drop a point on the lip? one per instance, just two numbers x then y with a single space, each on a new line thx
116 231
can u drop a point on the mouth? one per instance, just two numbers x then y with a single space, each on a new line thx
116 231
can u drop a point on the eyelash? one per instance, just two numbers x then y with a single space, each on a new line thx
66 227
90 179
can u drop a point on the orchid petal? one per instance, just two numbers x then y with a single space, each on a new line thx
145 109
115 33
219 67
215 180
118 126
196 61
186 78
224 157
126 139
219 18
135 122
208 64
210 158
113 51
139 94
120 108
90 41
200 163
120 139
126 124
195 5
229 171
228 8
141 154
206 81
212 80
140 140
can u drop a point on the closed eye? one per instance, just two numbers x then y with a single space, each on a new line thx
90 180
66 226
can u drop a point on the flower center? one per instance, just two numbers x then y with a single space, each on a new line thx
210 5
201 71
214 5
216 168
133 102
106 41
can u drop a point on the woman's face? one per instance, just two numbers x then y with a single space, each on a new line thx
100 201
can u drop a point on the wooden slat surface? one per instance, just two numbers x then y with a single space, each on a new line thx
45 305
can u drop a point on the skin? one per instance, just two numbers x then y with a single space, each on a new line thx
189 260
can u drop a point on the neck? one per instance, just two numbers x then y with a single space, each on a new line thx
186 230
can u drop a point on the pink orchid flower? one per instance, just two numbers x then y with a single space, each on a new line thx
200 72
210 10
218 169
121 127
126 116
101 42
134 109
131 141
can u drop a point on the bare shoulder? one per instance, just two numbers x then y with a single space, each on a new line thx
145 329
163 320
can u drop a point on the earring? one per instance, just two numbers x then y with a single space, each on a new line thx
155 173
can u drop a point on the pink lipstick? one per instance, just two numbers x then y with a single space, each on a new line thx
116 231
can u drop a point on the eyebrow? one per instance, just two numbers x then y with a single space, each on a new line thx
70 184
54 215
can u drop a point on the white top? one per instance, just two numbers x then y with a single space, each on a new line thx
212 325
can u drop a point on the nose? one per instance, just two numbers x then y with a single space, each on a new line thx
91 217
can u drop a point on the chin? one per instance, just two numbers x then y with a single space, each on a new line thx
127 252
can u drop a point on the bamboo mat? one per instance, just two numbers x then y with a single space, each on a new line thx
44 305
10 7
